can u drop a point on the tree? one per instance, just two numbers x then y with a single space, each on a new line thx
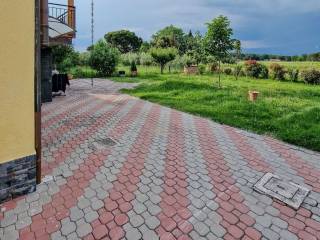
196 52
124 40
217 41
104 58
237 48
170 36
163 55
64 57
145 47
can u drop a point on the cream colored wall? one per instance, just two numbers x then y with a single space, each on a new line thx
16 79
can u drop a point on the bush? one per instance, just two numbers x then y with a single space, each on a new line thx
133 67
255 69
227 71
277 71
127 58
213 67
264 73
177 63
104 58
83 72
201 69
64 57
146 59
84 58
311 76
293 74
187 60
237 71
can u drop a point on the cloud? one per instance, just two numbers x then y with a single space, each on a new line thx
277 26
254 44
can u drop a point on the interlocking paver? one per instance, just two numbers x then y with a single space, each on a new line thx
170 176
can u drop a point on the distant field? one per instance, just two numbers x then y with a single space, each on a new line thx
296 65
285 110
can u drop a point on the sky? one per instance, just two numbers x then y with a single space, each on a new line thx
288 27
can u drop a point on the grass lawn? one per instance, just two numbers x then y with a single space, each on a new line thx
285 110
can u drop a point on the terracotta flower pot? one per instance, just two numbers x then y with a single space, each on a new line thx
253 95
191 70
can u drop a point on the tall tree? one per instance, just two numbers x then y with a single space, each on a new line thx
217 41
170 36
195 49
124 40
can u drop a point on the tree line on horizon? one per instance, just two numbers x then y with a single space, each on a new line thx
166 45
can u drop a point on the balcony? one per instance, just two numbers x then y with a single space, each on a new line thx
62 23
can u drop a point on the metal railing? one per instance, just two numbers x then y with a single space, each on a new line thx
64 13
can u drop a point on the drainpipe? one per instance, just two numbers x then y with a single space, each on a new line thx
44 18
37 90
71 14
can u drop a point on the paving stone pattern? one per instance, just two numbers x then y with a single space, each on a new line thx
171 175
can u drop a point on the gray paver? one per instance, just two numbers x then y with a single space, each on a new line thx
144 216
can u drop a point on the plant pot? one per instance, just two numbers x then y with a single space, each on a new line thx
191 70
134 73
253 95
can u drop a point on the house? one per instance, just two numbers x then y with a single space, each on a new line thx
28 31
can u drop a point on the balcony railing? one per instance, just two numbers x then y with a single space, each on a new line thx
64 14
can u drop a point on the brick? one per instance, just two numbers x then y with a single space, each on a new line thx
100 231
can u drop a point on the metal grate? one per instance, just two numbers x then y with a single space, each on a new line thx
288 192
102 143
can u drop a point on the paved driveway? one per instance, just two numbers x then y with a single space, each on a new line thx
125 168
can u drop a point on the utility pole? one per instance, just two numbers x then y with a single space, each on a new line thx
92 32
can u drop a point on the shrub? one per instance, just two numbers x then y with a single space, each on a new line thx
202 69
264 73
255 69
83 72
213 66
187 60
104 58
64 57
237 71
84 58
228 71
146 59
133 67
293 74
177 63
311 76
128 58
277 71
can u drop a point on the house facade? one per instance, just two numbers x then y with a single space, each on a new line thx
25 75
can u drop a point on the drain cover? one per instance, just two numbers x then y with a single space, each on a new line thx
288 192
102 143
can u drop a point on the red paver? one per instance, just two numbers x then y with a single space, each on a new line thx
226 152
175 214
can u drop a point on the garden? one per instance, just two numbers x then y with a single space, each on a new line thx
210 76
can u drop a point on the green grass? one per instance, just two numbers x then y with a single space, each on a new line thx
285 110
